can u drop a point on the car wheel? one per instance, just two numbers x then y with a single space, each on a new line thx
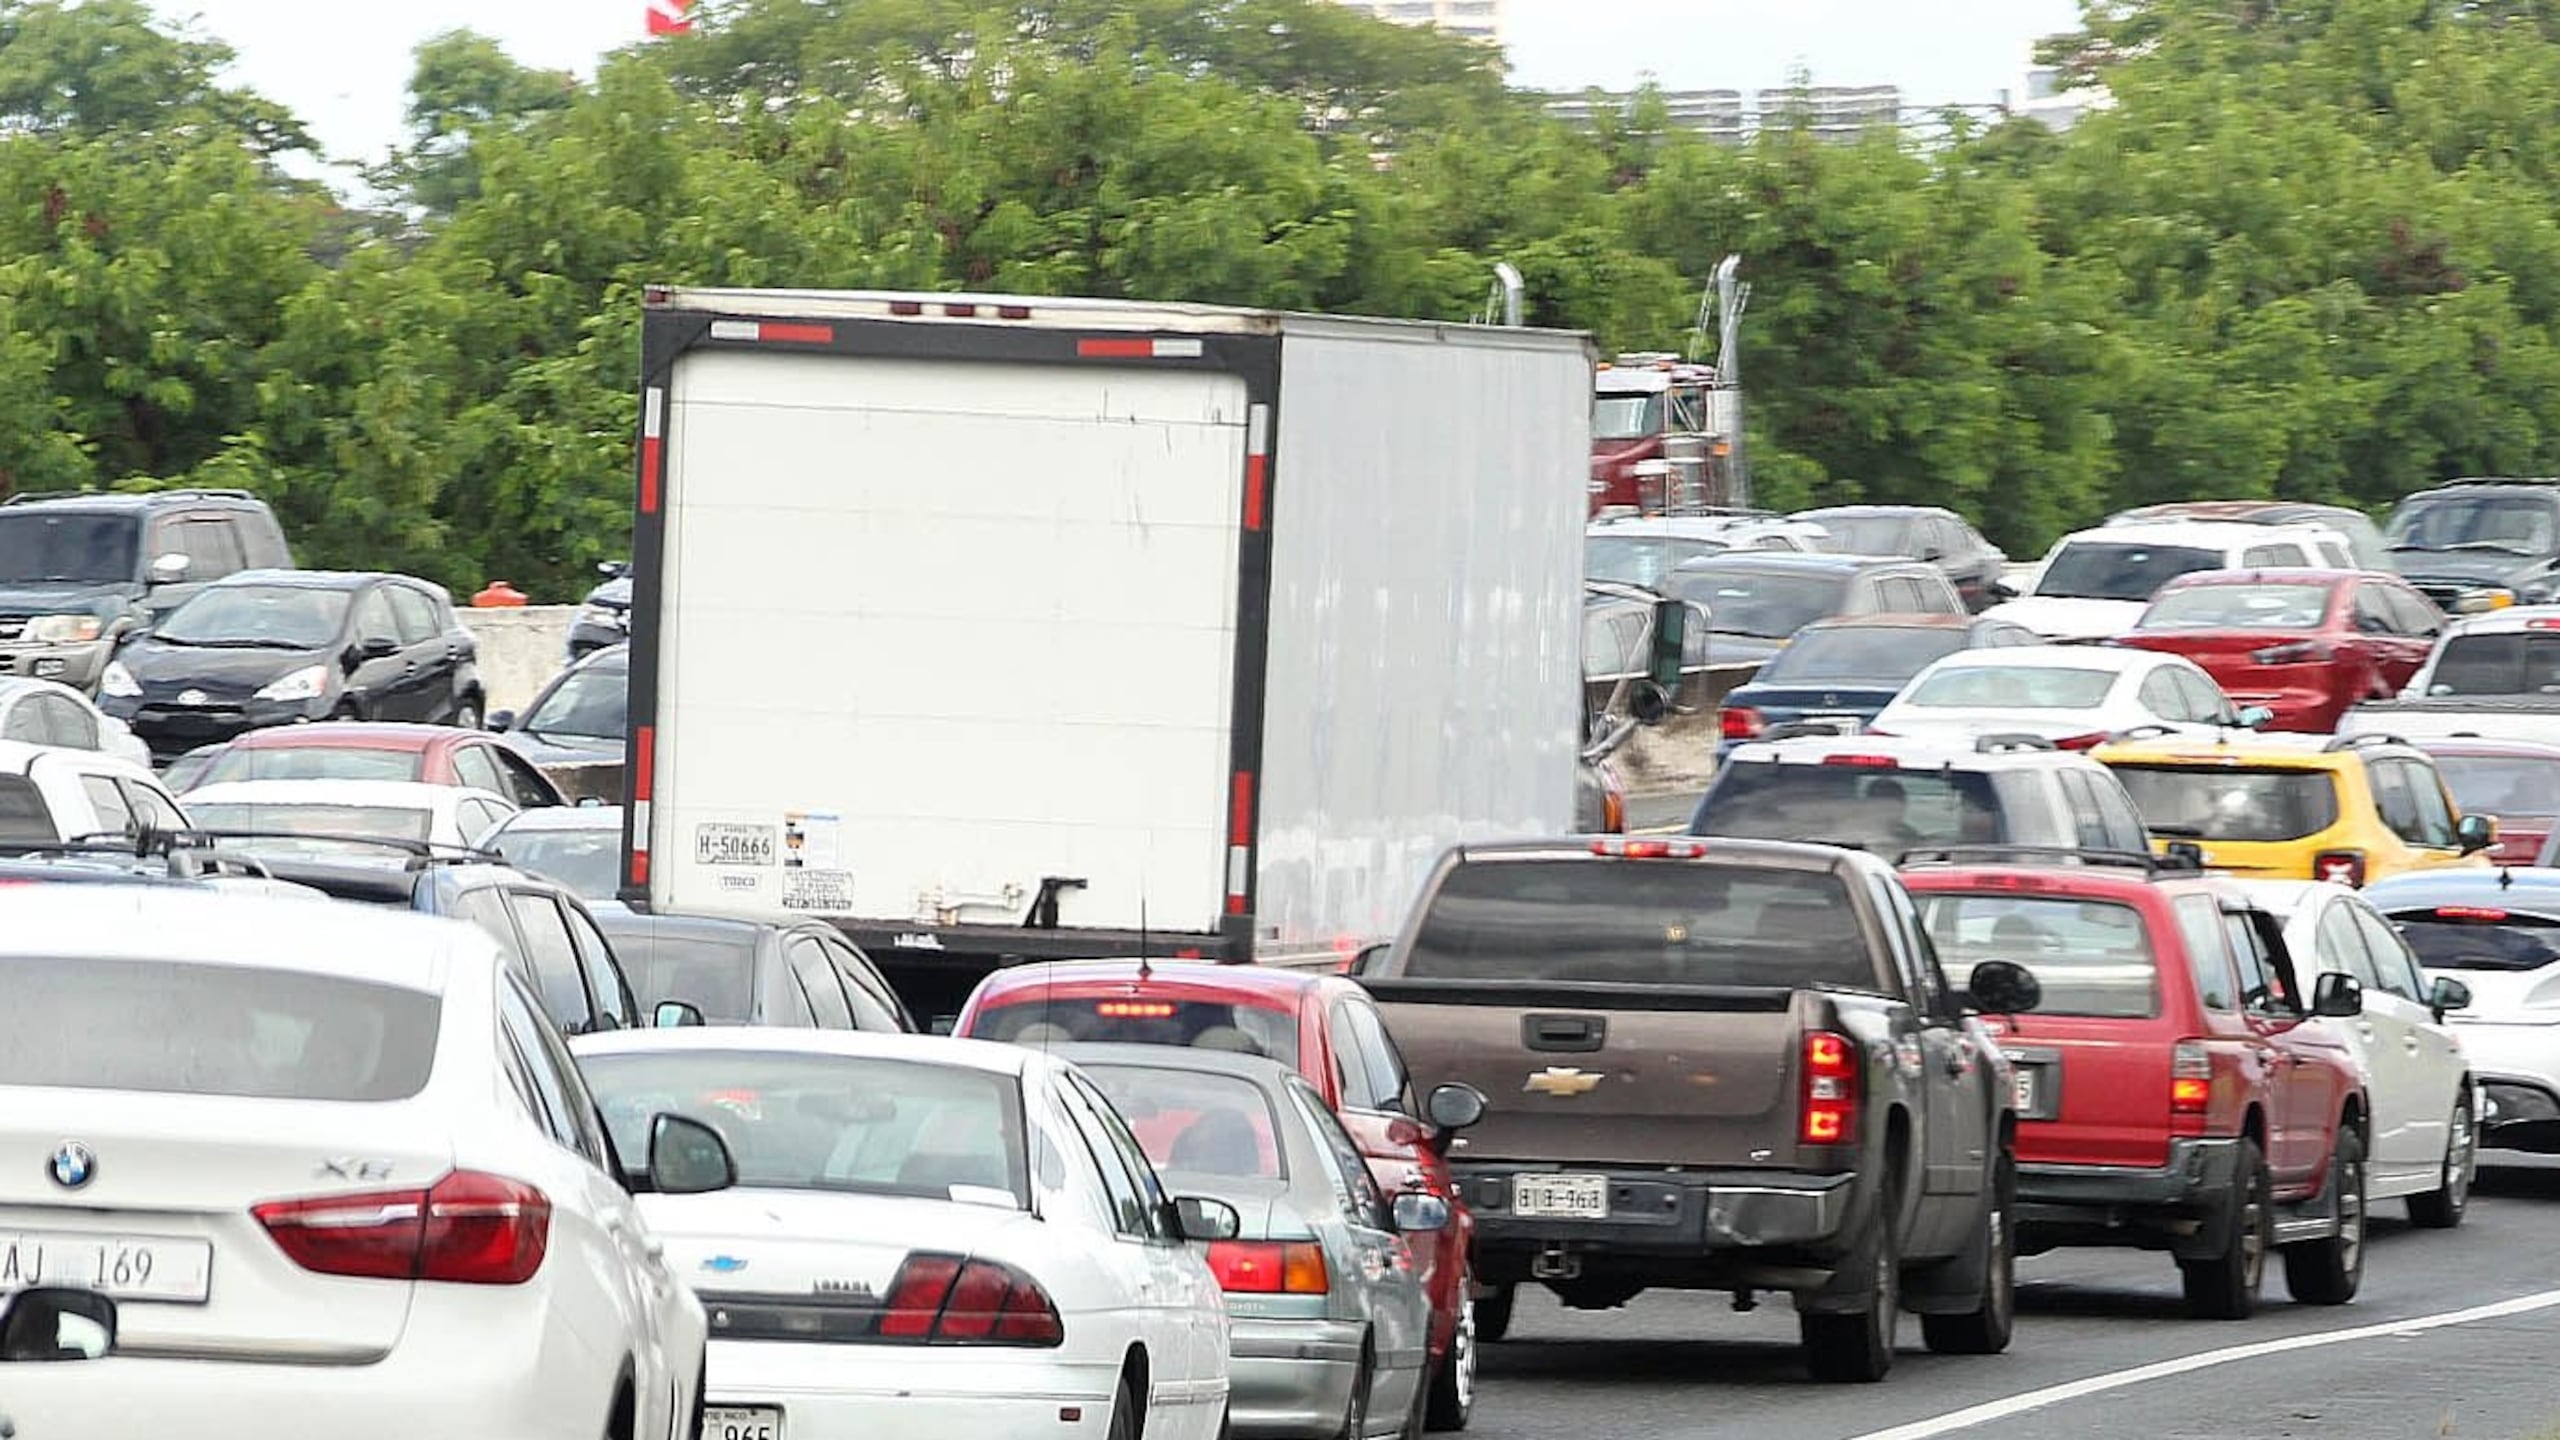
1355 1416
1124 1413
1453 1380
2442 1207
1986 1329
1493 1314
466 715
2225 1286
2327 1272
1857 1348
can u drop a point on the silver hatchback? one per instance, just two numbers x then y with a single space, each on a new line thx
1329 1318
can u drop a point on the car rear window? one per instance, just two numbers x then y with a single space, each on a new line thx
318 762
2093 957
2458 937
1883 810
2501 785
1879 655
2239 607
2214 802
2118 570
860 1124
2518 663
2012 687
1762 604
1643 560
1661 922
714 975
1194 1122
587 861
83 1023
1120 1019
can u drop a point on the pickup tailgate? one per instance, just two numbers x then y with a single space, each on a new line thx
1609 1074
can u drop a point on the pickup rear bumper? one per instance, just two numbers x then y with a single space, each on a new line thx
1657 1215
2173 1206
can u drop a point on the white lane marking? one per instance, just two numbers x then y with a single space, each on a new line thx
1989 1411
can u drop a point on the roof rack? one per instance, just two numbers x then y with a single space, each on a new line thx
420 854
182 492
2013 740
2337 743
182 861
2499 480
2175 863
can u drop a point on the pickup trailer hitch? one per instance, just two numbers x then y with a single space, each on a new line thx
1554 1262
1044 907
1744 1302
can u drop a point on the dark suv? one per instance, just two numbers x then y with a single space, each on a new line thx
2467 543
78 572
1926 533
1890 796
1756 600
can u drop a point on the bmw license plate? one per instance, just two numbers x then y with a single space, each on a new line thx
126 1267
741 1422
1570 1197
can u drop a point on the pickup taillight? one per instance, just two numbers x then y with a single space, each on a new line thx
1830 1112
2190 1087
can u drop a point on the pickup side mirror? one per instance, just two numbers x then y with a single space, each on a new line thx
1370 958
687 1157
675 1015
1199 1217
1420 1213
1454 1107
49 1323
2003 987
2337 997
2448 994
1670 645
2477 833
170 568
2002 590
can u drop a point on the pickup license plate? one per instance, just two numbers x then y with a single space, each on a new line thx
2024 1079
126 1267
741 1422
1572 1197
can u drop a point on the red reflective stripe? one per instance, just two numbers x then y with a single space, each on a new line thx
906 307
644 764
1240 809
770 332
639 867
653 456
1116 349
1256 473
1235 904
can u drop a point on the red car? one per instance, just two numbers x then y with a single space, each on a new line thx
2306 644
2516 781
1324 1026
366 750
2175 1091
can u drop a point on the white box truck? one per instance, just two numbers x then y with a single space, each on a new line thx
1001 628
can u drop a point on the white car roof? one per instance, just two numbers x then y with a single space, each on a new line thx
2202 534
18 756
2284 897
2506 621
232 927
368 794
2122 659
992 1056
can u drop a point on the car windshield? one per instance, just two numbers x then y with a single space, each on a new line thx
2461 937
2238 607
2520 662
1643 922
283 617
1883 657
1033 1018
589 704
2501 784
856 1124
1643 560
2520 524
2216 802
714 973
1626 417
2093 957
86 1023
587 861
2011 687
67 546
1879 808
311 762
1763 604
1196 1123
1863 534
385 822
2119 570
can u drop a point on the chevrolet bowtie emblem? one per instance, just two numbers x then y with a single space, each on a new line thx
1563 1081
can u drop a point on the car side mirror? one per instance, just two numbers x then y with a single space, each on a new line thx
687 1157
1453 1107
1370 958
1670 644
2256 717
2477 833
2002 590
1648 702
2448 994
49 1323
1199 1217
2003 987
501 720
377 647
1420 1213
2337 997
675 1015
171 568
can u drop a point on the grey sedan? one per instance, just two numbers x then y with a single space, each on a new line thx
1329 1318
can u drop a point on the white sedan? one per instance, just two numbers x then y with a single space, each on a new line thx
43 712
338 1173
2425 1145
929 1237
405 812
2074 695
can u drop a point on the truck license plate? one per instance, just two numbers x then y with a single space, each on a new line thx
741 1422
1573 1197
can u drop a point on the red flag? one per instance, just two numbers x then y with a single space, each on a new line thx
670 17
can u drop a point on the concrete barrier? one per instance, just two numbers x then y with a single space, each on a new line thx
521 648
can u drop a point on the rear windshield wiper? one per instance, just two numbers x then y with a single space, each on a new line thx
2177 832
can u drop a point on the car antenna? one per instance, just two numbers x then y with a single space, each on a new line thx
1146 972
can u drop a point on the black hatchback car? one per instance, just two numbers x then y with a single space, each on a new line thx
802 975
271 647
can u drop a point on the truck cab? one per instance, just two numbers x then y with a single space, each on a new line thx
1655 436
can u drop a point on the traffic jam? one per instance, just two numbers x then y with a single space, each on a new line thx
1153 943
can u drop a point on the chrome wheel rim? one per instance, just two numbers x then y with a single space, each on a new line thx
1462 1355
2351 1216
2462 1157
2253 1240
2003 1296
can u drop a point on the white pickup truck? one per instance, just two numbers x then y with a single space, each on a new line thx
2494 677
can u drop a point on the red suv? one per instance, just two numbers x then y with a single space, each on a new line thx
2176 1090
1324 1026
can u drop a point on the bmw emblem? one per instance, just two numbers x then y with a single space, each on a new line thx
73 1166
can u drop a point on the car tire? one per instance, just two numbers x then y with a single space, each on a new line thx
2442 1207
1493 1314
466 714
2226 1286
1986 1329
1355 1415
2329 1271
1452 1387
1125 1404
1857 1348
346 711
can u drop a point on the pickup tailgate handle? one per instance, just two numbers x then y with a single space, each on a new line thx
1564 1034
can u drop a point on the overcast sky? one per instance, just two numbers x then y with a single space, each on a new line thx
343 65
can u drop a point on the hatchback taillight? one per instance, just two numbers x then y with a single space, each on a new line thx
952 1300
1269 1267
466 1229
1829 1115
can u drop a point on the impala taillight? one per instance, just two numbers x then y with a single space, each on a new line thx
1830 1109
1269 1267
952 1300
466 1229
1740 722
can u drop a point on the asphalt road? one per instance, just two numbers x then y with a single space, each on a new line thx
1660 814
1672 1366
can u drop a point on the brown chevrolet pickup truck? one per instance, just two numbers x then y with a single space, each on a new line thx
1717 1065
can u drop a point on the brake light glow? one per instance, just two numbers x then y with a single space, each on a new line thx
1740 722
1829 1115
1266 1267
2470 912
1867 762
466 1229
945 1299
1135 1009
1650 849
2344 866
2190 1085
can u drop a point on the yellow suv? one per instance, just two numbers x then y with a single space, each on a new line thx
2297 807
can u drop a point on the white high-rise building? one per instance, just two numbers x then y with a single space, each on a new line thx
1475 19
